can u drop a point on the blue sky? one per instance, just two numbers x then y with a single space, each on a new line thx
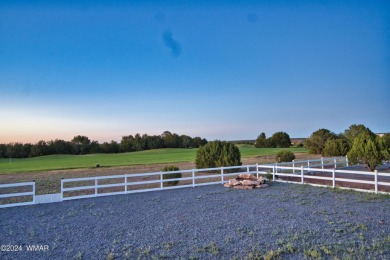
222 70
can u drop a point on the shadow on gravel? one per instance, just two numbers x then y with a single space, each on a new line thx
286 221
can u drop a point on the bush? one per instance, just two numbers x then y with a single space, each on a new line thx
284 156
367 149
168 176
217 154
335 147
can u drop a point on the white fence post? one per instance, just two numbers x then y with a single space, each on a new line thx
247 169
322 163
346 161
302 180
334 178
222 180
376 181
273 173
335 162
193 178
33 192
62 189
257 170
161 180
125 183
96 181
308 164
293 161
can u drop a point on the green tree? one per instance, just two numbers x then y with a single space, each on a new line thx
81 144
335 147
39 149
354 130
261 141
316 142
367 149
280 140
217 154
385 146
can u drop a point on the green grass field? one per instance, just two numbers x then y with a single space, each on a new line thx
169 155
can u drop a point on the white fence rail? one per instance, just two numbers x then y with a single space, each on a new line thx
17 195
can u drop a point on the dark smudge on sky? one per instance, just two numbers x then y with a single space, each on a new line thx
172 44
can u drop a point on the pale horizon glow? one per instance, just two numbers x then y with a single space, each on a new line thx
225 71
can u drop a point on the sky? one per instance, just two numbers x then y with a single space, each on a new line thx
225 70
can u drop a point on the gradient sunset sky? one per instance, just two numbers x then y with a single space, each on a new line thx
216 69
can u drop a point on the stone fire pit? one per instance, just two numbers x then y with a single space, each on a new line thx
246 182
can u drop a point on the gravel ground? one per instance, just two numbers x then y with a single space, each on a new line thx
287 221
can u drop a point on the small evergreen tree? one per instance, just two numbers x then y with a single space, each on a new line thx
367 149
285 156
177 175
335 147
218 154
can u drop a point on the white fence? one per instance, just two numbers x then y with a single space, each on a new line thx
191 178
17 195
303 172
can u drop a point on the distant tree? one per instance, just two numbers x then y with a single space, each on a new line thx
127 143
186 141
139 142
316 142
59 146
335 147
81 144
198 142
367 149
217 154
154 142
280 140
261 141
94 147
3 150
39 149
354 130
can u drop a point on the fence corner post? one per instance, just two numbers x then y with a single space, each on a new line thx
302 179
376 181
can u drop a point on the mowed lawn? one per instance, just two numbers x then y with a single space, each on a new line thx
169 155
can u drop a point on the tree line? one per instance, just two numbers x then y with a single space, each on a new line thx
358 142
83 145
